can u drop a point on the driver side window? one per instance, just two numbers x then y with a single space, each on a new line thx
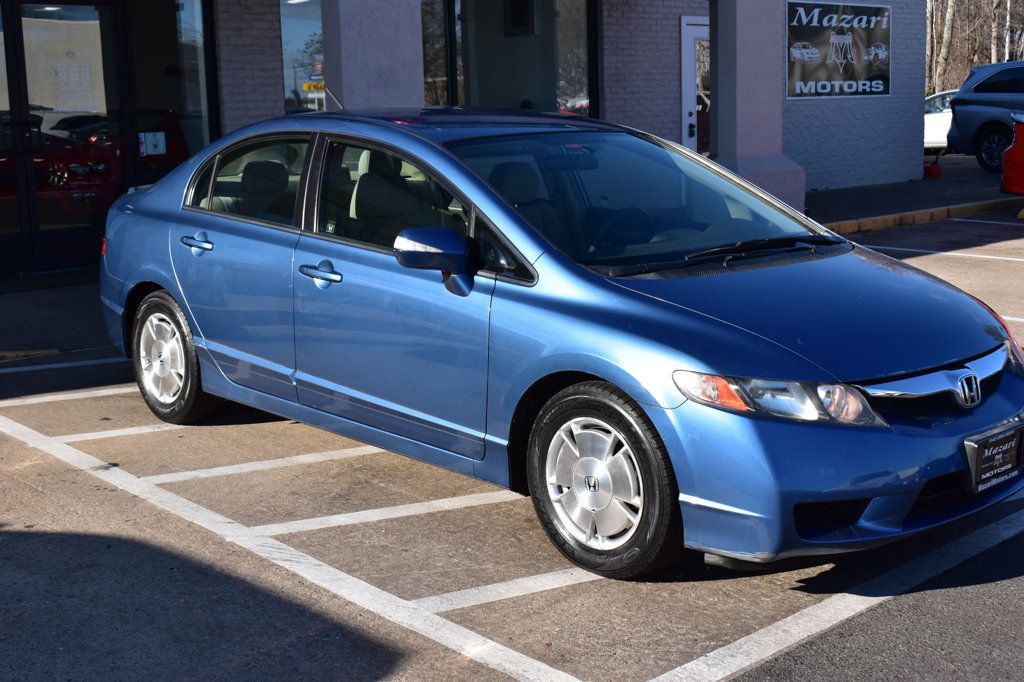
369 195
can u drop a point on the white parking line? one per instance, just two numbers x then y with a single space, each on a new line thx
359 592
370 515
1012 319
989 222
519 587
60 365
756 648
68 395
261 465
880 247
114 433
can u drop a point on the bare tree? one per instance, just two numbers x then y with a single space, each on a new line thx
947 36
1006 31
993 45
929 38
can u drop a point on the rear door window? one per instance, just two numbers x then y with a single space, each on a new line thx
259 180
1005 81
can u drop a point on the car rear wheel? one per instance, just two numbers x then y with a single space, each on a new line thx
166 366
989 147
602 484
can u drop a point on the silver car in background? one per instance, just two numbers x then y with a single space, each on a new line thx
981 122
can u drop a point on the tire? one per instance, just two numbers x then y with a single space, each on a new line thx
991 142
166 366
591 492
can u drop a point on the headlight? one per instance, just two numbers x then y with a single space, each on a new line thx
802 401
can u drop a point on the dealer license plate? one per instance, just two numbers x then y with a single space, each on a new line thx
994 459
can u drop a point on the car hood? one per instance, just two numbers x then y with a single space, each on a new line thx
858 316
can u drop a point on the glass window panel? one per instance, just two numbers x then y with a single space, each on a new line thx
8 163
381 196
260 180
302 49
76 133
169 68
529 54
435 53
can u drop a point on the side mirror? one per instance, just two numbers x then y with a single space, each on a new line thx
436 248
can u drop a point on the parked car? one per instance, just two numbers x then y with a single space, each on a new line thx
981 112
877 53
804 52
667 359
937 117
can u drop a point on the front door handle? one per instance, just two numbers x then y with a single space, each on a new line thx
323 273
198 243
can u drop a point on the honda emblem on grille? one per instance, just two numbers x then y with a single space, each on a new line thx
969 389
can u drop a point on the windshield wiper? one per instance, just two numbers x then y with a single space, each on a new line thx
725 252
755 246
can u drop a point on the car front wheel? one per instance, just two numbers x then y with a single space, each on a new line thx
166 366
602 484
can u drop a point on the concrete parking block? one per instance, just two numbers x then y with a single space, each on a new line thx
370 481
441 552
244 437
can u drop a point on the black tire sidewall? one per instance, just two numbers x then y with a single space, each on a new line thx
177 411
660 510
981 142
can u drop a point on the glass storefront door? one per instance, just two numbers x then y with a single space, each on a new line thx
76 145
95 97
696 68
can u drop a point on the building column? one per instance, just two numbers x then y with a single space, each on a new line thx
748 45
373 53
248 40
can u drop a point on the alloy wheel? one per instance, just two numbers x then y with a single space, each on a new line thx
992 147
162 356
594 483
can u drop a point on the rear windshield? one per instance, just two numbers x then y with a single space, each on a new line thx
614 198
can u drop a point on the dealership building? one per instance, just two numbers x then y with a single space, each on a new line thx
101 96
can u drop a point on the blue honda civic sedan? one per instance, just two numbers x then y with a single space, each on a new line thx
667 359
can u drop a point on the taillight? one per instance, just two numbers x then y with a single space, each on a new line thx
103 245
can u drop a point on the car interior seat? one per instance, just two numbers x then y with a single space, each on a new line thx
519 183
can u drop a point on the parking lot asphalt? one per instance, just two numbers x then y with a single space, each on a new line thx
253 546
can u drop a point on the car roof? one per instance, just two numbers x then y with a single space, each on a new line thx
445 124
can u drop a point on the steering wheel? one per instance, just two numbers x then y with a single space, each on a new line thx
628 223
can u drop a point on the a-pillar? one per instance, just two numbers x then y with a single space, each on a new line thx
748 57
373 53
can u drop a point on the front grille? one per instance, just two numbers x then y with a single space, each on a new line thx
936 405
814 519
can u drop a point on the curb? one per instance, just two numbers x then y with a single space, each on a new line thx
925 215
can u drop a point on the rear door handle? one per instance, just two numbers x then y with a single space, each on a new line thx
323 273
199 242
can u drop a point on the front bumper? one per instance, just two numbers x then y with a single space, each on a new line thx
741 479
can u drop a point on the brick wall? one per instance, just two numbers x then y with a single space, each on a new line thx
248 35
850 141
641 67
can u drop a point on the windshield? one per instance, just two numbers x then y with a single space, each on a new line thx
616 199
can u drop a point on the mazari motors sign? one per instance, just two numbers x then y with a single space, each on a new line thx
838 50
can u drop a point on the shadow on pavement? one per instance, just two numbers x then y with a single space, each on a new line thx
854 572
90 606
